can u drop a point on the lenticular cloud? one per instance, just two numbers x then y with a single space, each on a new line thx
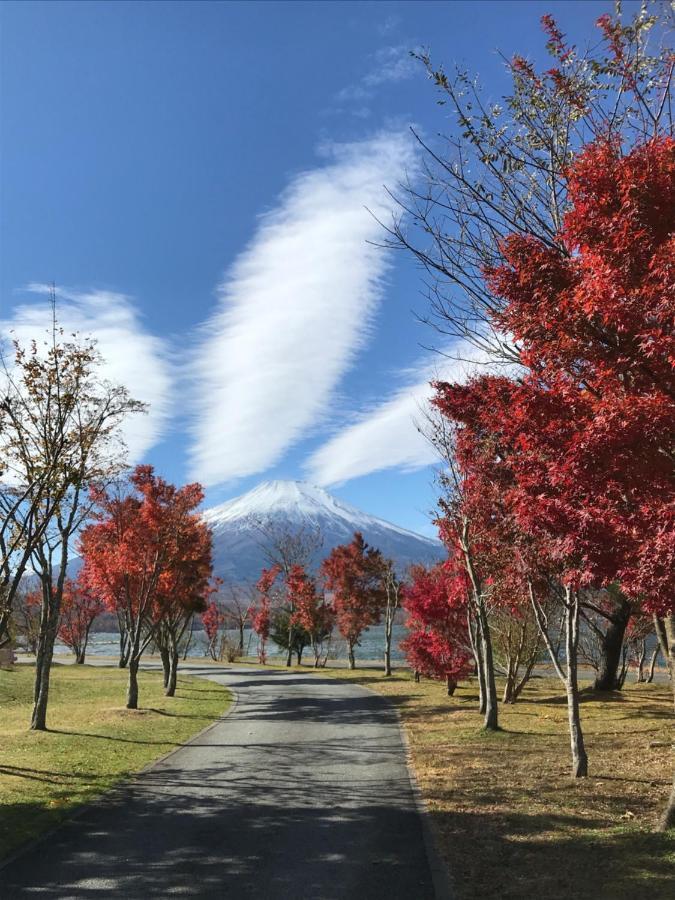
387 436
293 310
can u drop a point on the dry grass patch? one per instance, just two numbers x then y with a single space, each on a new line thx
93 741
509 820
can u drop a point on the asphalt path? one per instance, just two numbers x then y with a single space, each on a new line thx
301 792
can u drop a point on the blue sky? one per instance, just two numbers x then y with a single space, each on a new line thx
193 177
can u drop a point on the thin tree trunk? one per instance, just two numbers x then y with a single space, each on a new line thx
640 662
49 622
652 664
190 636
173 672
352 659
388 629
526 676
569 676
509 687
491 716
579 757
42 676
132 687
165 656
668 818
474 638
662 637
451 685
393 597
124 649
85 643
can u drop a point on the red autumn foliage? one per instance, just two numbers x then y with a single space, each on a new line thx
79 607
262 614
582 445
311 611
148 554
436 602
354 574
213 619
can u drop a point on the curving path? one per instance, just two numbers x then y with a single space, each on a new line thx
301 792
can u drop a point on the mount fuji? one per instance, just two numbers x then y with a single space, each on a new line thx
238 551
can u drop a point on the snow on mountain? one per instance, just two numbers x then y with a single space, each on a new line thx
238 553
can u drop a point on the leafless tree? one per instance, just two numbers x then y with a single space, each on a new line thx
286 546
60 415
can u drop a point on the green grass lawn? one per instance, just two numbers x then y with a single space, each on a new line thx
509 820
93 742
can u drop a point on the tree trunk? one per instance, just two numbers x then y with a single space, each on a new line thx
482 701
640 663
388 630
241 637
289 655
79 658
662 637
607 678
124 650
43 667
387 650
668 818
652 664
165 656
173 672
132 687
298 654
49 623
509 686
451 685
579 757
491 716
352 659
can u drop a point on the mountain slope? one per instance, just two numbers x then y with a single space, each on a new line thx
238 553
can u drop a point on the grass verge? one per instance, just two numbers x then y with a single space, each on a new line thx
509 820
93 742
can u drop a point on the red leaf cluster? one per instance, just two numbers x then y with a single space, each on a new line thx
575 458
436 602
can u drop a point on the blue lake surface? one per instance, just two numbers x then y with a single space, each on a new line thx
371 648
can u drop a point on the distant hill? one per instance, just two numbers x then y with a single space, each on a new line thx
292 505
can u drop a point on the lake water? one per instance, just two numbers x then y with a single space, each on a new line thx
371 648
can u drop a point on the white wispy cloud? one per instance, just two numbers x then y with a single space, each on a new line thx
389 65
386 436
131 356
294 309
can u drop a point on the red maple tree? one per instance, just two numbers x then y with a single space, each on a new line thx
142 545
354 574
311 611
436 600
581 445
262 614
213 619
79 607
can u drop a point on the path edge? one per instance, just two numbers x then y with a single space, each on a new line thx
440 876
124 782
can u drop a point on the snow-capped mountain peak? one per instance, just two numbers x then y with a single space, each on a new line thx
238 554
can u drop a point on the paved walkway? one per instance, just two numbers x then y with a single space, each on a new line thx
302 792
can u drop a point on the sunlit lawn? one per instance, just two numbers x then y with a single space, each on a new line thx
509 820
93 741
